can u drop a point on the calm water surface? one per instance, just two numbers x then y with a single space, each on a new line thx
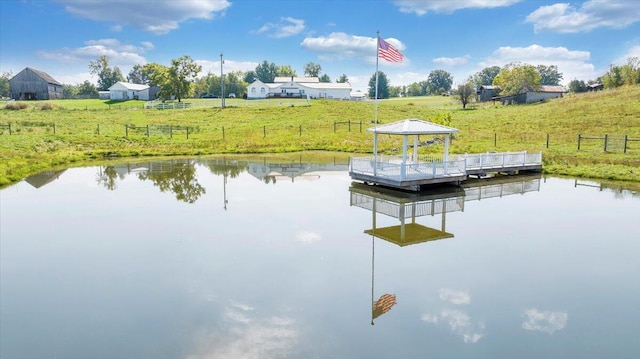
212 258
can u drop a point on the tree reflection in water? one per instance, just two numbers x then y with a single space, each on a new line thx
107 177
178 177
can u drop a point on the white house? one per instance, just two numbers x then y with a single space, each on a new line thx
128 91
296 87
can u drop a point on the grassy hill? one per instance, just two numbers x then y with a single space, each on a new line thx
63 132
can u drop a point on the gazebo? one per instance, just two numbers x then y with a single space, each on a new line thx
404 172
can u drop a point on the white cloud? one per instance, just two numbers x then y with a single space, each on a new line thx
430 318
308 237
287 27
593 14
246 335
119 54
573 64
544 321
421 7
452 61
76 78
633 52
340 45
161 17
460 324
454 296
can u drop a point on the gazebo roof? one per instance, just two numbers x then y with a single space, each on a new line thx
412 126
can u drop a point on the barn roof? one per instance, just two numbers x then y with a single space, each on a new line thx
130 86
281 79
548 88
43 75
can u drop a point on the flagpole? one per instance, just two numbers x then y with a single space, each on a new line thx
375 113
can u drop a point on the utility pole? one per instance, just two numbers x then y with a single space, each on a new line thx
221 81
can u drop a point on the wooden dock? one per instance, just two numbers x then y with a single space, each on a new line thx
411 175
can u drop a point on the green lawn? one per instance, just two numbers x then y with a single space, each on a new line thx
88 131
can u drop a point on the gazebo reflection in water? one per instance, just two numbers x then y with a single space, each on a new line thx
408 206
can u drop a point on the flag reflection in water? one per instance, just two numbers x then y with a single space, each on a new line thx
382 305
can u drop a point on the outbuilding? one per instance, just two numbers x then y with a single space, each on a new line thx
32 84
122 91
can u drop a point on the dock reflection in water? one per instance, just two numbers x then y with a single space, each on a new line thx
407 207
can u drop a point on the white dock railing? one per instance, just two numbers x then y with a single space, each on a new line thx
494 160
391 167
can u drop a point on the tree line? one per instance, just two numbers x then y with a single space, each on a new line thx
181 79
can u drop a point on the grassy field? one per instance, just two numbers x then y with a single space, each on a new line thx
67 132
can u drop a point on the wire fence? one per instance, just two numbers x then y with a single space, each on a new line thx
347 129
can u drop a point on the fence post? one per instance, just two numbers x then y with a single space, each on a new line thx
223 132
625 139
547 140
187 132
126 130
300 130
495 139
147 130
264 131
360 126
98 129
579 136
171 131
9 129
605 142
349 125
54 128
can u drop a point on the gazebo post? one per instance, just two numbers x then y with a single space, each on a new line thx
415 149
403 169
445 157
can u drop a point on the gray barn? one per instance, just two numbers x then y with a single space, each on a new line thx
31 84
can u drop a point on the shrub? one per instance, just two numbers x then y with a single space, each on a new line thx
16 106
45 106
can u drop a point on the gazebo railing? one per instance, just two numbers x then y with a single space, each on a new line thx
392 168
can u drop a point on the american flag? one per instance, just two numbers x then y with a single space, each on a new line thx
388 52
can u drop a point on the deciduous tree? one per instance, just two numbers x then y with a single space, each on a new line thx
312 70
517 78
549 75
485 76
286 71
465 93
107 76
438 81
342 79
5 91
577 86
325 78
181 74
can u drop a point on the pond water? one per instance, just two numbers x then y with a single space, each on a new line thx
258 258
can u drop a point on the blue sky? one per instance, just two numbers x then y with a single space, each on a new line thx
61 37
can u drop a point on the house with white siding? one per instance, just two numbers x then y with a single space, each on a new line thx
298 87
122 91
